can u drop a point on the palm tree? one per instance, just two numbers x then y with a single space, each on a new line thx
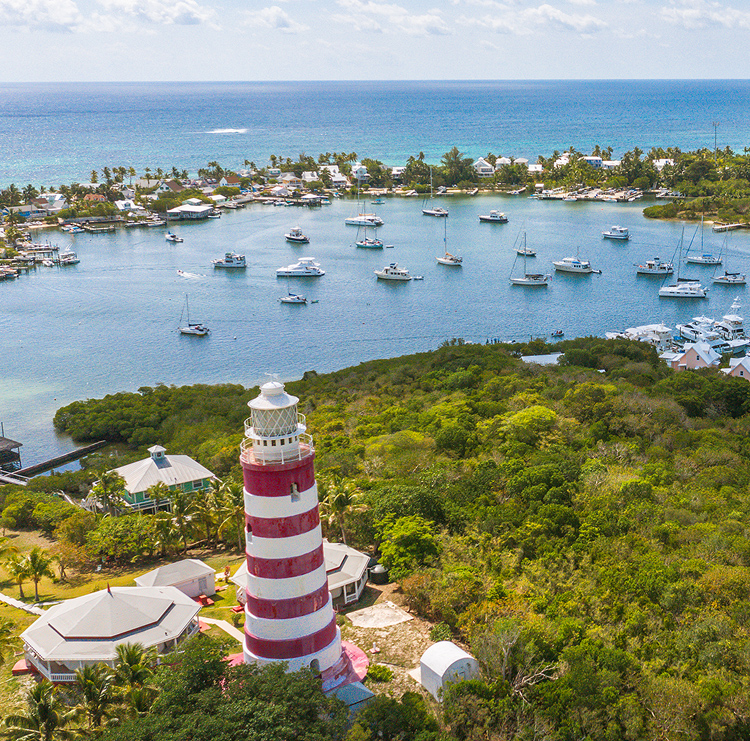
166 535
7 639
338 499
38 565
108 490
205 509
18 569
134 664
233 510
182 513
97 693
45 718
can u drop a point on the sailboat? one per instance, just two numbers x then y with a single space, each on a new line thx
447 258
433 210
527 279
363 219
195 328
704 258
684 287
727 278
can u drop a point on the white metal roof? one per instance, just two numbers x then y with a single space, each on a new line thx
442 655
89 628
172 470
172 574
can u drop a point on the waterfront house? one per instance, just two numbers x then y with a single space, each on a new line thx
231 181
291 181
218 198
397 173
94 198
535 168
738 368
694 355
87 630
274 173
189 212
520 161
310 176
176 471
359 173
191 576
660 164
593 160
610 164
483 168
170 186
130 206
500 161
146 183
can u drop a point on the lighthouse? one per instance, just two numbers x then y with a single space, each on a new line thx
288 614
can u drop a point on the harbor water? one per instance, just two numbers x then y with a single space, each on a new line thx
110 323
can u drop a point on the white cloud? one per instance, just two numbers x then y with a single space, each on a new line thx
378 17
692 14
276 18
164 12
528 20
50 15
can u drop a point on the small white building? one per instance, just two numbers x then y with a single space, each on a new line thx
444 663
535 168
738 368
191 576
189 212
87 630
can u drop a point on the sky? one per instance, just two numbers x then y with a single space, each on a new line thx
206 40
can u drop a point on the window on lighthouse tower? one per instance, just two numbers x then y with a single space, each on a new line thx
295 492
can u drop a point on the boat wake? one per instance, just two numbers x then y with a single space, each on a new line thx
227 131
183 274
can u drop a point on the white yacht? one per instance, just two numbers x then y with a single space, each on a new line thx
68 257
494 217
526 278
370 243
448 259
293 298
684 288
172 237
305 268
730 279
705 258
655 267
192 328
393 272
295 235
364 220
617 232
436 211
230 260
573 265
732 325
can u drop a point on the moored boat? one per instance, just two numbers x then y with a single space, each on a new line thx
684 288
295 235
293 298
172 237
393 272
573 265
306 267
655 267
230 260
494 217
617 232
526 278
364 220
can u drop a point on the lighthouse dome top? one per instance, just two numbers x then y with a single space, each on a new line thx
273 396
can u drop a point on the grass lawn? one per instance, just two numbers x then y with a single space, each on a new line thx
11 689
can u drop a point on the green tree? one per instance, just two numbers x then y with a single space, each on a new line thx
96 693
339 499
44 719
407 543
18 569
457 167
39 565
109 490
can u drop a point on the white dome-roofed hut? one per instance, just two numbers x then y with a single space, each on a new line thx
444 663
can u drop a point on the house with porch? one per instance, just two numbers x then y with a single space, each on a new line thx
86 630
177 472
483 169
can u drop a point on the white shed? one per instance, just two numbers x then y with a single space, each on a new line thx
444 663
191 576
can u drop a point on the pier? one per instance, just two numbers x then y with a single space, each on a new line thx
21 476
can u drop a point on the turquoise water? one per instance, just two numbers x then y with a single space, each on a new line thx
53 133
109 323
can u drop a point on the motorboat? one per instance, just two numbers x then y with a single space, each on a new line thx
68 258
377 202
494 217
655 267
293 298
230 260
448 258
617 232
172 237
306 267
729 279
557 333
573 265
393 272
364 220
705 258
215 215
295 235
436 211
684 288
48 263
197 329
527 251
732 326
370 243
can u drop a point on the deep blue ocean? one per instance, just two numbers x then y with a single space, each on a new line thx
109 323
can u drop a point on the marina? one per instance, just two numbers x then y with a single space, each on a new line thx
87 322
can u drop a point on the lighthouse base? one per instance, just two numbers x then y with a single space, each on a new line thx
321 661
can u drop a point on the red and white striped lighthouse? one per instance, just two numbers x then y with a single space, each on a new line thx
288 615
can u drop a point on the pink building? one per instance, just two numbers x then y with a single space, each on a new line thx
289 614
695 355
738 368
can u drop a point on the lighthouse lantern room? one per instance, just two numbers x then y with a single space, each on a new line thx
289 614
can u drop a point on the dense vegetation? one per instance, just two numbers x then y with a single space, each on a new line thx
585 533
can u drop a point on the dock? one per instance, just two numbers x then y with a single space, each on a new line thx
729 227
21 476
